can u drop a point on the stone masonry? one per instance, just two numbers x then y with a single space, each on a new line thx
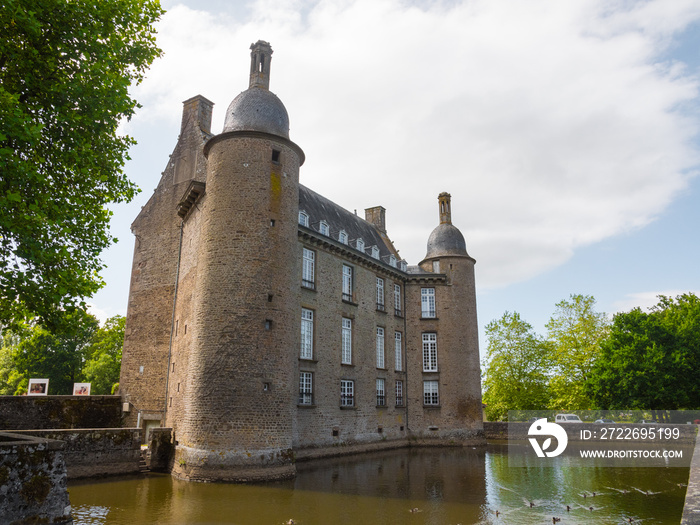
267 323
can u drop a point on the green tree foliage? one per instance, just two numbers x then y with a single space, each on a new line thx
651 360
58 355
104 356
65 70
575 332
515 369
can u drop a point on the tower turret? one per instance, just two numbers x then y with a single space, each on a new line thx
238 408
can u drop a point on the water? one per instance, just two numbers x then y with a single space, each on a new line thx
417 486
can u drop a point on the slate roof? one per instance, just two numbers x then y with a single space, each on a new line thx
319 208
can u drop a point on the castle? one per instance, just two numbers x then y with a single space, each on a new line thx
267 324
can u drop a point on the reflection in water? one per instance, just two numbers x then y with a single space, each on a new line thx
421 486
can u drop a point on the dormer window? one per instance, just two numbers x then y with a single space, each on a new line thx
304 218
360 245
403 265
392 261
323 228
343 236
375 252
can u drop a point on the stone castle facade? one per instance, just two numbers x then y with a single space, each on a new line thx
267 324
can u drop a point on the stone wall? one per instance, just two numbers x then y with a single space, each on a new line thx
96 452
691 510
33 485
44 412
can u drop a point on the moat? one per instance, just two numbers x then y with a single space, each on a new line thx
436 486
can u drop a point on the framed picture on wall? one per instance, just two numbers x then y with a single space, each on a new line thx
38 387
81 389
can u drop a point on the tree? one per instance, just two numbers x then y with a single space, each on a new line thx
104 356
65 71
651 361
58 355
575 332
515 369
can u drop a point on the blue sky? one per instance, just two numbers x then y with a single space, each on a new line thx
566 132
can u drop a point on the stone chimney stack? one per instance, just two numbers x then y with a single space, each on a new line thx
260 58
377 217
197 110
445 208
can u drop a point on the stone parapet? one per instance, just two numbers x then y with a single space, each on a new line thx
44 412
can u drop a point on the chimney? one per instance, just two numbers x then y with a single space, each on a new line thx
198 111
260 58
445 208
376 216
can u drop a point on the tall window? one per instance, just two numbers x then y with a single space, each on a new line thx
307 334
430 393
343 236
308 269
430 353
346 357
323 228
347 283
306 388
399 393
381 393
397 351
427 302
380 294
397 300
380 347
347 393
304 218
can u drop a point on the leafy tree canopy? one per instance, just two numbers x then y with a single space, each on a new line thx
575 332
57 355
65 70
651 360
516 368
104 356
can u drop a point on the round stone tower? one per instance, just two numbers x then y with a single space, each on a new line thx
456 329
237 423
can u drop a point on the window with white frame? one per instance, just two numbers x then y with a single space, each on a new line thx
430 352
307 334
343 236
380 347
381 393
347 393
397 300
346 342
436 266
324 228
398 351
347 283
306 383
427 302
430 393
308 269
392 261
360 245
399 393
403 265
375 252
304 218
380 294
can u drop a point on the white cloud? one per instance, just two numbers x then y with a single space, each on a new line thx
645 300
552 124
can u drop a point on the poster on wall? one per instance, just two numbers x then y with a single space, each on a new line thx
38 387
81 389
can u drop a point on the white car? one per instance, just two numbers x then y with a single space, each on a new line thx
567 418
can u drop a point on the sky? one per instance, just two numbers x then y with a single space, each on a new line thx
567 133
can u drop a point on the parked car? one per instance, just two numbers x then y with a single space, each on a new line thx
604 421
567 418
648 422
